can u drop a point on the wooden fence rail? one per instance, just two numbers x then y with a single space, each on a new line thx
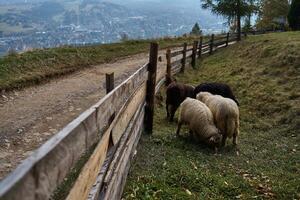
110 129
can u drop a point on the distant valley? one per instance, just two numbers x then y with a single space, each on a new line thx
27 24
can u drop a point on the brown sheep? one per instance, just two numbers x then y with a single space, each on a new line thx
176 94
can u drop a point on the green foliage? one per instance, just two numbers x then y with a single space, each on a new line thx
273 14
230 8
294 15
247 25
233 10
196 30
264 74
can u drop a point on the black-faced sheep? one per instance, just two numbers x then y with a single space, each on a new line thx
216 88
176 94
226 114
200 121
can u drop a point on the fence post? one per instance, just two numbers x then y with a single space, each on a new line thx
109 82
150 92
227 39
211 45
168 72
200 47
183 61
194 53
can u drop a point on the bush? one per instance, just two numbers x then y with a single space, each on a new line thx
294 15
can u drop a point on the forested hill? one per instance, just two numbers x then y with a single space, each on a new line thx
26 24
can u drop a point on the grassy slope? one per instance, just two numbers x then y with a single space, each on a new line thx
20 70
265 74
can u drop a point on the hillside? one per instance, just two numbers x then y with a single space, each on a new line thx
37 24
264 72
41 65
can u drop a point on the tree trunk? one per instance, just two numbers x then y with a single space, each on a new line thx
238 13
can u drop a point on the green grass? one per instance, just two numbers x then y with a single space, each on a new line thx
40 65
264 72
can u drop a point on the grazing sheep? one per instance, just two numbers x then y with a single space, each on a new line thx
176 94
200 121
169 80
226 114
216 88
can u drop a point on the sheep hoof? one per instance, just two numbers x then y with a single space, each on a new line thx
216 150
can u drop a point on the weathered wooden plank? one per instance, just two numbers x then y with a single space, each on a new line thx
200 47
150 93
227 38
176 63
176 53
52 161
109 83
211 45
190 49
194 53
161 73
106 171
219 43
88 174
49 164
115 188
168 71
183 57
94 192
206 44
134 103
176 69
109 105
159 83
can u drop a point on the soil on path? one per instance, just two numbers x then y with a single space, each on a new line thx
31 116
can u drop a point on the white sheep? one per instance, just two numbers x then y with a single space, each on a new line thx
200 121
226 114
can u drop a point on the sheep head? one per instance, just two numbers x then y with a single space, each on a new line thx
215 140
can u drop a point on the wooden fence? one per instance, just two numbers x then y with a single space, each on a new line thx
111 129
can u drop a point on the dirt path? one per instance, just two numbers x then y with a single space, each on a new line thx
31 116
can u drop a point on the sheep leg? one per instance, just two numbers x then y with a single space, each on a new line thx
216 150
167 108
236 132
224 140
234 139
178 128
173 110
191 133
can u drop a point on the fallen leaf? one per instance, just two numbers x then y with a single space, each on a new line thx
188 192
194 165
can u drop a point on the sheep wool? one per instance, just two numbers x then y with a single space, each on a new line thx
216 88
225 112
200 121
